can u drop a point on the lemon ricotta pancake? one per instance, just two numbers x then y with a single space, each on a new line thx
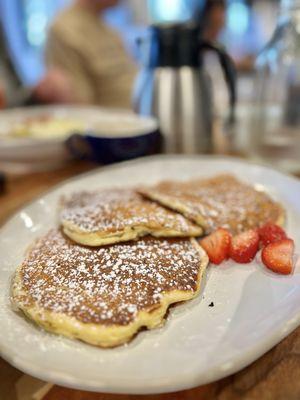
221 201
117 215
104 295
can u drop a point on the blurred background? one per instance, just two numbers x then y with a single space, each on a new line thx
129 54
246 28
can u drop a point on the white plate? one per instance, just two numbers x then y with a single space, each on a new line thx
253 309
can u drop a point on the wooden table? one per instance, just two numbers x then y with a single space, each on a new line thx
275 376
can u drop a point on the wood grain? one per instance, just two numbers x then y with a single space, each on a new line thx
275 376
20 189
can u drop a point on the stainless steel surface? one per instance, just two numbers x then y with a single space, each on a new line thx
165 106
195 113
181 102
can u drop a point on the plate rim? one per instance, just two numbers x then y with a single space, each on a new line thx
187 381
142 160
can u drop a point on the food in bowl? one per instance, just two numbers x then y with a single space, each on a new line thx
46 126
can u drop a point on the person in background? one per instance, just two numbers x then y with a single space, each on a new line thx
92 54
244 34
216 29
53 87
214 17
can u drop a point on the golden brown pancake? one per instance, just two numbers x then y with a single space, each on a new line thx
104 295
222 201
118 215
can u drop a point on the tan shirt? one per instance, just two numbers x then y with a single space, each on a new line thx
94 57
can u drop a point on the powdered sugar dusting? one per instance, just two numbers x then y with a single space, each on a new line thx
110 284
222 201
113 210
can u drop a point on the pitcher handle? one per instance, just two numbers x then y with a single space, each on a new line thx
229 72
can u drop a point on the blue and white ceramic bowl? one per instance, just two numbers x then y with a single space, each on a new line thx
117 136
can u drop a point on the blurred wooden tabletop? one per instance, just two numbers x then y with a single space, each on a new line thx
275 376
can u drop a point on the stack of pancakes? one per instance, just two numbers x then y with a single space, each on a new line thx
122 256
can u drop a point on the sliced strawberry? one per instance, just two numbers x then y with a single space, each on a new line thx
217 245
270 233
278 256
244 246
